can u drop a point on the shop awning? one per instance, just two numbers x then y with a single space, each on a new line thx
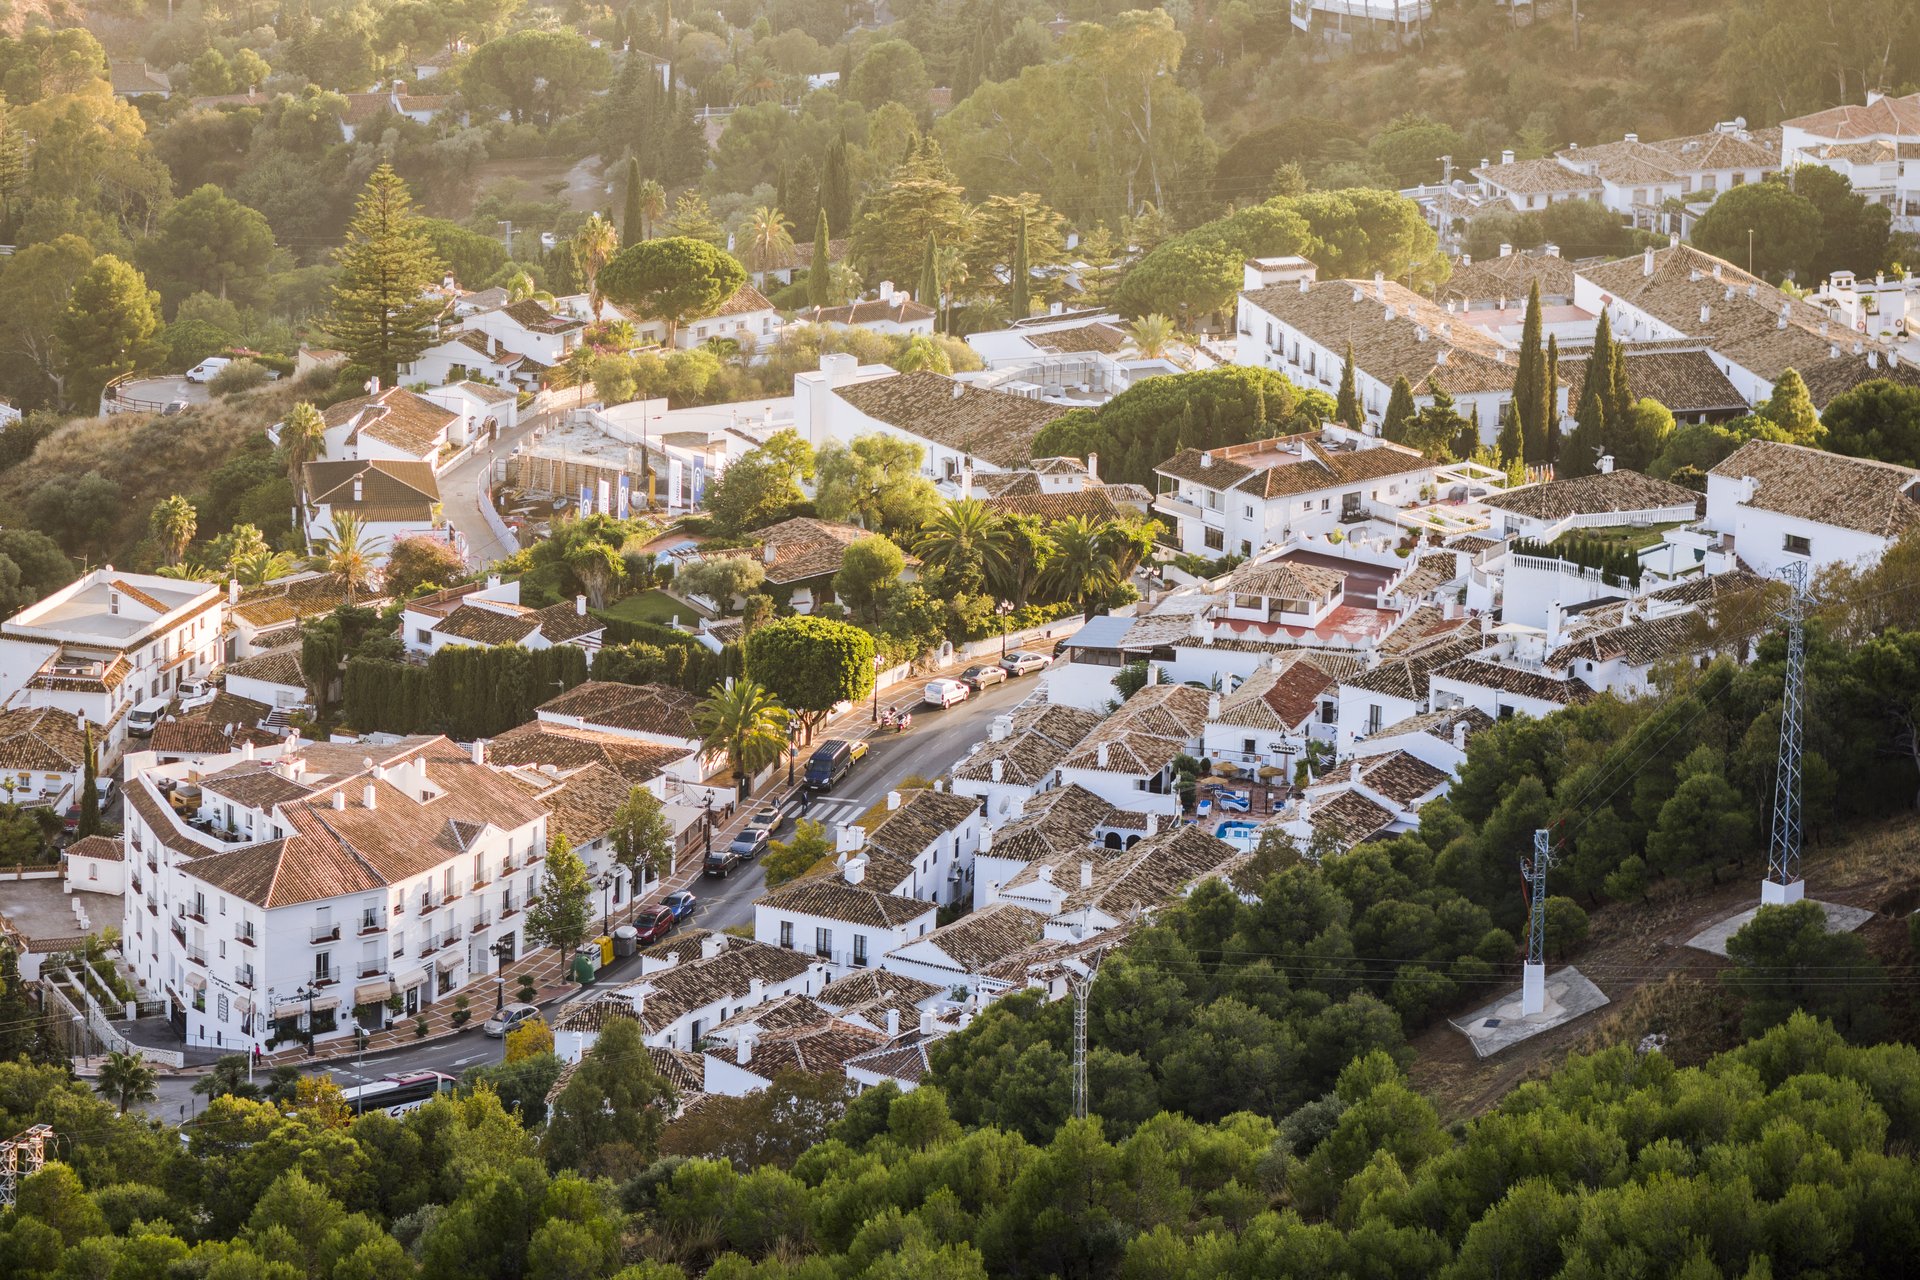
294 1008
198 981
373 992
449 961
243 1004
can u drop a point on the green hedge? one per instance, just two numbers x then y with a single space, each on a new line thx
462 692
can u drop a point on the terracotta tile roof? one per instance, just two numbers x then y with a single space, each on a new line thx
256 784
904 1060
389 490
492 623
1055 825
651 708
42 739
1509 277
1351 817
1285 466
1406 677
1270 699
869 993
593 1015
1284 580
1526 684
215 727
786 1013
1719 149
104 848
743 300
394 416
832 897
275 666
1537 177
1384 322
980 938
993 425
1040 738
1024 483
805 548
684 1071
1400 777
1156 724
821 1050
696 982
1616 491
1153 873
1426 625
583 807
1887 115
112 673
1438 723
1641 642
1708 588
1093 504
289 598
901 310
534 318
924 816
538 743
1877 498
135 77
1097 336
1687 381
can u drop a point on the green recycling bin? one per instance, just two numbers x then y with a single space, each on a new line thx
585 964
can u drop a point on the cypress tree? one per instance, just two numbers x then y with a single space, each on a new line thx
820 272
1550 434
928 294
1466 442
89 788
1399 411
1019 301
1509 443
1346 409
383 315
633 224
1529 384
781 196
1588 437
836 186
1619 396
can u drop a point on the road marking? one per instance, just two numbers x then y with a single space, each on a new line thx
461 1062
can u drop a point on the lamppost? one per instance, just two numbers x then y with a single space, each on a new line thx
793 745
876 688
307 991
606 900
1003 609
81 1042
502 949
706 833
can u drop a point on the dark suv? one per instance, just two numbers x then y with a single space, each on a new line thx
722 863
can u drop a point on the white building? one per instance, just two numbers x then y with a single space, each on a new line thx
107 642
1021 757
1438 738
746 317
1396 688
528 330
924 848
1778 504
1268 720
695 980
839 919
325 878
43 756
465 352
392 500
893 312
95 864
1243 498
1871 145
1128 761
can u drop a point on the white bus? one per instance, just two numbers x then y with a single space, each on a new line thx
399 1093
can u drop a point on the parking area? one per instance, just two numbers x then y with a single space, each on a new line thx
151 395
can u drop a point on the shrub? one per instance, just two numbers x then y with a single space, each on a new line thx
241 375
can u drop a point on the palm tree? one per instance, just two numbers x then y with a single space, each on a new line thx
593 244
303 438
742 719
347 553
653 204
919 352
1127 544
769 239
1080 564
252 568
1153 336
174 523
125 1078
1029 551
967 542
520 287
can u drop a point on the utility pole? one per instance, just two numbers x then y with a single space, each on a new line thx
1783 884
23 1154
1081 984
1533 983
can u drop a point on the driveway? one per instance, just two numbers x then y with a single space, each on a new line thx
463 494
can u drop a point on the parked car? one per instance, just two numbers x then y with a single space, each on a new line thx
829 763
859 748
945 693
194 693
208 369
508 1018
1020 663
654 923
751 843
173 408
680 902
978 677
767 819
722 863
143 718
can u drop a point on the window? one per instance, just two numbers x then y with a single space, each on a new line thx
323 967
860 950
823 942
220 1008
1246 511
1248 746
1373 718
1796 545
1215 539
1326 504
786 934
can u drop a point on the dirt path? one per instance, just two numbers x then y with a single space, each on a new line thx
1637 953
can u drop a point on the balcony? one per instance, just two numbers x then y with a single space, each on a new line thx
509 910
153 864
179 932
482 922
431 901
430 946
453 894
243 934
450 938
197 955
137 886
244 976
197 916
371 923
509 865
153 908
374 970
327 979
325 933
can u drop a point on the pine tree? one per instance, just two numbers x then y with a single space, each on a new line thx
633 223
89 789
1588 438
1346 410
1399 411
836 186
383 315
1530 384
820 270
1019 300
1551 432
929 291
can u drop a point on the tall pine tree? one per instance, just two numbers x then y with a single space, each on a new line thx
1530 383
1019 300
633 223
820 270
928 294
1399 411
1551 434
1346 409
383 315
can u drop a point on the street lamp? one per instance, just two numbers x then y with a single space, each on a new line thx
501 950
707 834
1003 609
793 746
876 688
307 991
606 900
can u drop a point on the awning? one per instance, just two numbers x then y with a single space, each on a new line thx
294 1008
449 961
243 1004
198 981
373 992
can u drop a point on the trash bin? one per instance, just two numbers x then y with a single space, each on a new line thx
626 940
586 962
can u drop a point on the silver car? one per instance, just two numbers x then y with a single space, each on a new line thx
1023 663
508 1018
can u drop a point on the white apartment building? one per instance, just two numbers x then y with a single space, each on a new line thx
1128 761
530 331
1780 504
1872 145
840 919
107 642
1240 499
277 892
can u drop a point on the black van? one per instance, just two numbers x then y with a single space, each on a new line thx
829 763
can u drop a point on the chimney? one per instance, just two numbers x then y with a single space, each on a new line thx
1440 357
367 796
1153 824
340 798
479 750
1001 729
1100 755
1213 706
928 1023
1045 873
712 945
855 872
1304 286
1633 137
1380 285
893 801
1646 263
756 989
1206 459
886 291
233 591
1785 309
1093 468
1506 157
580 605
743 1048
246 749
1873 359
893 1023
1086 873
1606 463
1706 313
1553 250
1506 251
493 581
999 768
768 553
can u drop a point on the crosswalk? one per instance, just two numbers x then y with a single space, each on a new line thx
830 810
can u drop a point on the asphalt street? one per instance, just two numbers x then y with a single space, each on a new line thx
937 739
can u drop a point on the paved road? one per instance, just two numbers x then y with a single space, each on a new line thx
463 489
937 739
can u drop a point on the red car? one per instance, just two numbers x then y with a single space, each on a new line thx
653 923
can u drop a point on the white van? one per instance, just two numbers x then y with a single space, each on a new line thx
208 368
945 693
142 719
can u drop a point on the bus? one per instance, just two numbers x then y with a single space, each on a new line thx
399 1093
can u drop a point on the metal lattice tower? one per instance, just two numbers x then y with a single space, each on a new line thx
22 1154
1535 871
1081 984
1783 853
